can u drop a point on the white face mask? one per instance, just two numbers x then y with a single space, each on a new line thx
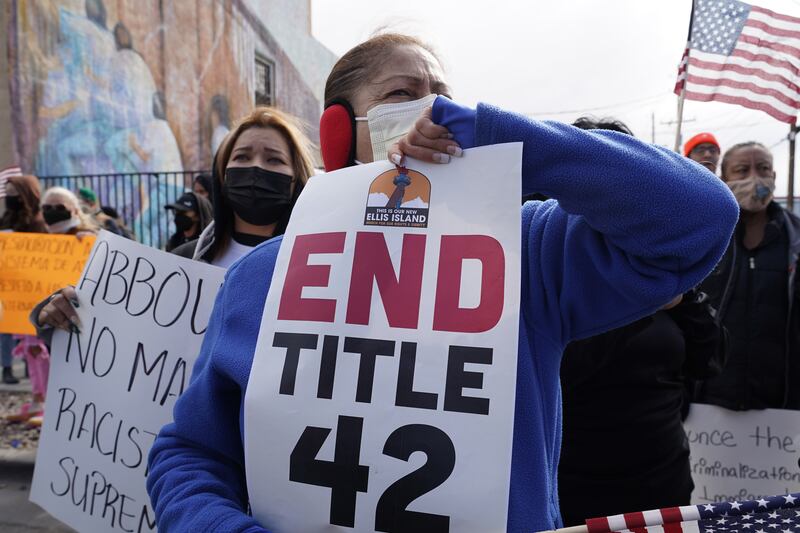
64 226
389 122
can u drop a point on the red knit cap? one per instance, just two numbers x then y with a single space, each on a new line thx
700 138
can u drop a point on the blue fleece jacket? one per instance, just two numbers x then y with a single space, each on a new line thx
634 226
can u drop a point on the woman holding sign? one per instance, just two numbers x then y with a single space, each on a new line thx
634 226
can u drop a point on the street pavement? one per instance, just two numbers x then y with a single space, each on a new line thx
17 514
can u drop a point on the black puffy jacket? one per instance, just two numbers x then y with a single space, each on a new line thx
755 294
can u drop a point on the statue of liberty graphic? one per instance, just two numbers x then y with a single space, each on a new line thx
401 181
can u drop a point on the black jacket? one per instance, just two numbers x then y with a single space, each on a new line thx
623 446
755 293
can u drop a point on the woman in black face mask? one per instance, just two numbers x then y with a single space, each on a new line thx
191 213
62 213
22 206
259 172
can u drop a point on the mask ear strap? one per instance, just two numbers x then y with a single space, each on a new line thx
337 135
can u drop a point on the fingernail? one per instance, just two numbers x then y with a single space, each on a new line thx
447 136
75 321
441 158
455 150
75 303
74 329
396 159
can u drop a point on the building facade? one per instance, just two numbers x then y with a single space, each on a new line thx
146 88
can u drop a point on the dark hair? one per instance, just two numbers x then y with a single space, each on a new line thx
29 218
358 65
747 144
205 181
588 122
109 211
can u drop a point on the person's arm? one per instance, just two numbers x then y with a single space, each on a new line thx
196 477
56 311
634 225
706 340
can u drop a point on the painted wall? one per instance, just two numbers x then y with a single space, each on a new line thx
114 86
6 139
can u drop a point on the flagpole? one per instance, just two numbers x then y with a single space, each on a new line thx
573 529
790 192
682 96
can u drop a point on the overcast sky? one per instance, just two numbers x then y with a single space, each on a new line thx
560 60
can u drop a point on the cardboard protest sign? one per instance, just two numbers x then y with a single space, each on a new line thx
743 455
112 387
381 396
33 266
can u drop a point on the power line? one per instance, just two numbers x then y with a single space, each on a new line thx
781 141
731 127
599 108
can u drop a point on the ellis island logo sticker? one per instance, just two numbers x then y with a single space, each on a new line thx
400 198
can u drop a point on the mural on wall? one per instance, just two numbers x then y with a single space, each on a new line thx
136 86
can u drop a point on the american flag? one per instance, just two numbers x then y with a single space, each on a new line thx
742 54
693 518
779 521
4 175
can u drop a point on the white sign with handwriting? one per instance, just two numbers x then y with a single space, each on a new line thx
743 455
112 386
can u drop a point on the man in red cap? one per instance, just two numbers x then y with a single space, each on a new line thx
704 149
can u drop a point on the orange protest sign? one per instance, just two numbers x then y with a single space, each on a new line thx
32 266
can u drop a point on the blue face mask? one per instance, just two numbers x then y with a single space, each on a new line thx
754 193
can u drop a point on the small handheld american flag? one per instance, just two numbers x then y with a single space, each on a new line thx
6 173
775 514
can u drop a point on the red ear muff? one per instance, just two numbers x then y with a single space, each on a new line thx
337 135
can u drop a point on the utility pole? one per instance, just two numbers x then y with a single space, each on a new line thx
680 122
653 127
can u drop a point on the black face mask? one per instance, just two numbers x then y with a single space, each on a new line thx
13 203
260 197
183 222
54 215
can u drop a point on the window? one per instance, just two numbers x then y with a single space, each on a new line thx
265 82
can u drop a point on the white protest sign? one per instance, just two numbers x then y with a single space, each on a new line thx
112 387
743 455
381 396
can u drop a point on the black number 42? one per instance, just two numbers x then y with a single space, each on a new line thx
345 477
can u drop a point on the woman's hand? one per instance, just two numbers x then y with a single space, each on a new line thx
60 311
426 141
